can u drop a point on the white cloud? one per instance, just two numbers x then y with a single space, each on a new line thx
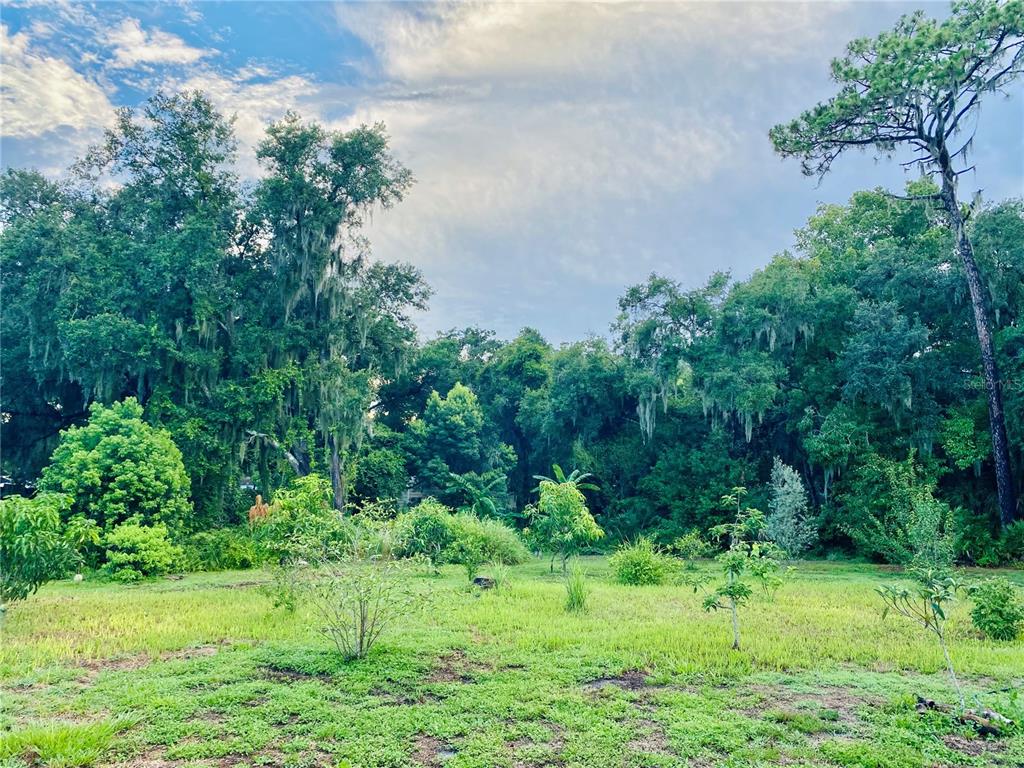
44 94
132 46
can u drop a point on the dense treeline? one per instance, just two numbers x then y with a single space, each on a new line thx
251 324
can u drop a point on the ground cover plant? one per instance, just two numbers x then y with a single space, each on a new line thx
204 671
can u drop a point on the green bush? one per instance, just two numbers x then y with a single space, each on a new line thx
135 551
302 515
693 546
998 609
496 541
32 550
117 467
432 530
429 530
641 563
1011 543
222 549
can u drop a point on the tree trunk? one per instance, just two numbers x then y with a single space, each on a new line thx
337 476
979 303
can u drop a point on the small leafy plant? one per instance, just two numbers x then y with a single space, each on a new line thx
925 605
136 551
692 546
998 609
747 562
32 550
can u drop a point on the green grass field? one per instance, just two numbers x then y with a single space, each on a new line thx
204 671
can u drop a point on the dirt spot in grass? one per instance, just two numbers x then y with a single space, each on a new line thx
405 698
839 705
431 752
973 746
456 667
276 675
151 758
92 668
524 744
651 739
630 680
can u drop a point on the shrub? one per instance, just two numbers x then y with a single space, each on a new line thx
429 530
380 474
1012 542
302 514
32 550
998 609
788 523
356 595
576 589
692 546
116 467
222 549
641 563
495 540
135 551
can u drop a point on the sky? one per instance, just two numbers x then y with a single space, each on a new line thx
562 151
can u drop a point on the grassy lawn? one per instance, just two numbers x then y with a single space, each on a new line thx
203 671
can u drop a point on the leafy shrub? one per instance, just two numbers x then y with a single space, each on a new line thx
380 474
32 550
998 609
496 541
1012 542
429 530
135 551
302 514
692 546
116 467
576 589
355 593
641 563
222 549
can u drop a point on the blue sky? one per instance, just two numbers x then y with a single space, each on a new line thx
562 150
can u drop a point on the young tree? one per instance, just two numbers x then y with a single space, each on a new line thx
747 560
561 522
919 87
788 523
925 605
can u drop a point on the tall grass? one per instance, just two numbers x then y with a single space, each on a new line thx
576 588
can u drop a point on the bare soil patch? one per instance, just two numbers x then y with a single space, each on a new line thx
630 680
431 752
456 667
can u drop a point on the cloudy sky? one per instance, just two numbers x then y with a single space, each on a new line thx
561 151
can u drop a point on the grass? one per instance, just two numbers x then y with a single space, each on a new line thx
204 672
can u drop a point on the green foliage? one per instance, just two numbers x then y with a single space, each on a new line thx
692 546
32 550
135 551
788 523
896 516
302 514
381 474
576 589
640 563
561 522
222 549
478 541
117 468
998 608
430 530
64 744
356 595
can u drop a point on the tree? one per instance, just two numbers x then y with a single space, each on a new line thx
917 88
561 522
32 550
746 560
788 523
117 468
